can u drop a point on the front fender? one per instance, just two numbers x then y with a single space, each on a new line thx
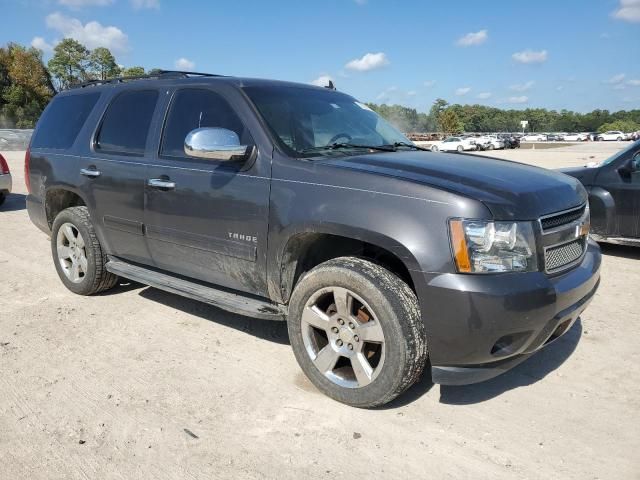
603 211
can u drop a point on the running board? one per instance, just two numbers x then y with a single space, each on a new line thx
232 302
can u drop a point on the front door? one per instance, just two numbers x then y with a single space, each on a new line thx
207 219
625 190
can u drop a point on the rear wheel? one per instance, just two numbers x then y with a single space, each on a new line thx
357 332
460 149
2 198
77 253
434 148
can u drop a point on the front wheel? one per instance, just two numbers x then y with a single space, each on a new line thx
2 198
434 148
77 253
460 149
357 332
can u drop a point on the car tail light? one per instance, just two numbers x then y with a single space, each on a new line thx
27 159
4 167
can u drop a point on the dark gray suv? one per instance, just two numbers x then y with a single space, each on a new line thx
291 202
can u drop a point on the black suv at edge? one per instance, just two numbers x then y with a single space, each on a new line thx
292 202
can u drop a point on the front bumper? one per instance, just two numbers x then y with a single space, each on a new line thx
5 183
479 326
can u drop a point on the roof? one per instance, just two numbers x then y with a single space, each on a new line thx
171 77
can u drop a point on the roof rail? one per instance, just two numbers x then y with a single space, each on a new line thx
157 74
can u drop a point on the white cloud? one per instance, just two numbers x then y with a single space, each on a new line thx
463 91
369 61
41 44
634 82
184 64
522 87
484 95
616 79
628 11
92 34
85 3
322 81
473 38
139 4
411 93
520 99
429 83
386 94
530 56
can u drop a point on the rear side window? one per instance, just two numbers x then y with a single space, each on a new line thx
193 108
61 123
126 123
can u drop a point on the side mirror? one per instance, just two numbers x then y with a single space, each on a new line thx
630 166
214 144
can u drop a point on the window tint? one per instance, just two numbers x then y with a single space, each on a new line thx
126 124
194 108
61 123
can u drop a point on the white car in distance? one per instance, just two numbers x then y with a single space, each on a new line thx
575 137
453 144
612 135
534 137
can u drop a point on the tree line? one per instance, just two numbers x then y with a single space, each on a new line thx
27 84
456 118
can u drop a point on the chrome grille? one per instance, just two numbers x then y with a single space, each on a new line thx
562 256
557 220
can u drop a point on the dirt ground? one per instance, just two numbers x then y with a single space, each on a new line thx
138 383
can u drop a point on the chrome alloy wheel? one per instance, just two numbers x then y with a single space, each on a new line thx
72 254
343 337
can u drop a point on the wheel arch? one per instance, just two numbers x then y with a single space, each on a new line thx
57 198
306 249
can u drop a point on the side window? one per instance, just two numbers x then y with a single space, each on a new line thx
126 123
61 123
193 108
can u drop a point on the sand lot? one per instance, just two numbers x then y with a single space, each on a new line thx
138 383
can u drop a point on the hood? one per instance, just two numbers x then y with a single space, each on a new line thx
585 174
511 191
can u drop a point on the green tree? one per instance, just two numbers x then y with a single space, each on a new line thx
70 63
132 72
25 86
102 64
449 122
621 125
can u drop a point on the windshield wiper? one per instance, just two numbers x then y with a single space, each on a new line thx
410 145
340 146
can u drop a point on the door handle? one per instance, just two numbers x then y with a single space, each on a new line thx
90 173
161 184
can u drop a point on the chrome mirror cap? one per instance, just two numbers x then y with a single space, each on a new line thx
214 144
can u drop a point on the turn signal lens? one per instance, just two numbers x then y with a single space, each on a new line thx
459 244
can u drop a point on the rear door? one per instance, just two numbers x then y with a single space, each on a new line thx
211 224
113 174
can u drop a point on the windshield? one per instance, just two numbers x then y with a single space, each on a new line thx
307 119
621 153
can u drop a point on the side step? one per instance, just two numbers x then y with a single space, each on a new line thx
232 302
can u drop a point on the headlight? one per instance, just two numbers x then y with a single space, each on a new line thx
481 246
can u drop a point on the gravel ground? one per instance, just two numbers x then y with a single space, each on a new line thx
138 383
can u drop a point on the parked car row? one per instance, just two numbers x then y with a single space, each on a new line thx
612 135
465 143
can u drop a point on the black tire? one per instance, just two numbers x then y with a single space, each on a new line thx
396 307
460 149
97 278
3 197
434 148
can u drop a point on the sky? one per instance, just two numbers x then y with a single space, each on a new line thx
569 54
